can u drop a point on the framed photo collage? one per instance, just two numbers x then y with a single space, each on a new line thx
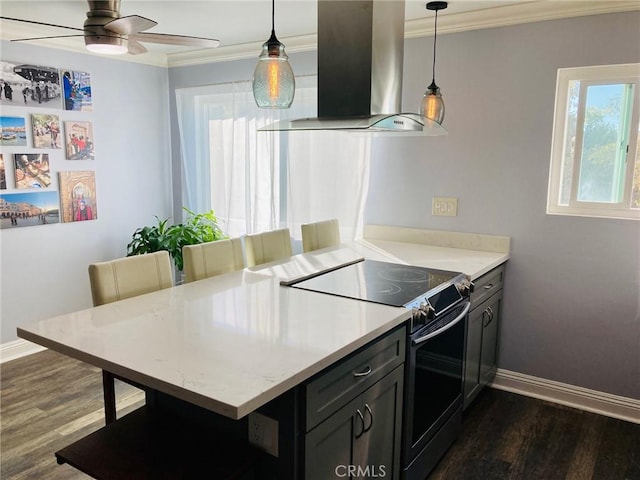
45 132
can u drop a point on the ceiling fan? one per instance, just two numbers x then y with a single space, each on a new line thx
105 31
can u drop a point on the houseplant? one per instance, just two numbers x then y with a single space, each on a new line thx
196 228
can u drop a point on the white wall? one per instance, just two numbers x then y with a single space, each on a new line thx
571 310
44 268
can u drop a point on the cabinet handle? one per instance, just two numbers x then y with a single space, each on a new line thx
370 416
488 286
358 435
364 373
489 313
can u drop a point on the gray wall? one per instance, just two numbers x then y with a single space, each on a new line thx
571 311
572 289
44 268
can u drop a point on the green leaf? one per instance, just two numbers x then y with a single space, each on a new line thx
197 228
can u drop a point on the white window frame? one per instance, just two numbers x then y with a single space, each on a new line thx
597 75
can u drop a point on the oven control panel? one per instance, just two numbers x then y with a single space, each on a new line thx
427 308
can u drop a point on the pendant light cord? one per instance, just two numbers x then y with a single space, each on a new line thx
435 37
273 16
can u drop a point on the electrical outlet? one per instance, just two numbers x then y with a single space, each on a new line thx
445 206
263 433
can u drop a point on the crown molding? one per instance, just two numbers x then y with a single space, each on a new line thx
237 52
534 11
513 14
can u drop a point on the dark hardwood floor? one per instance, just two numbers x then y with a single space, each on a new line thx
49 400
509 436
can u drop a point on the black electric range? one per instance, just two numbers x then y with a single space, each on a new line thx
427 292
439 304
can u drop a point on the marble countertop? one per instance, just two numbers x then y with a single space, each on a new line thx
473 254
474 263
234 342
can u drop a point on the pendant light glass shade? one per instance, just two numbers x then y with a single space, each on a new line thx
273 82
432 106
274 85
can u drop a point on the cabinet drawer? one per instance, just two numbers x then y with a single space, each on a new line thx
487 285
348 378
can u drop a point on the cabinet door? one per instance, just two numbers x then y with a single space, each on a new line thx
377 450
472 355
490 329
329 446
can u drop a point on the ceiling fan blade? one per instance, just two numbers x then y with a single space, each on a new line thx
45 38
135 48
182 40
130 24
41 23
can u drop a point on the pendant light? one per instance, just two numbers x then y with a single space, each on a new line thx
432 105
273 81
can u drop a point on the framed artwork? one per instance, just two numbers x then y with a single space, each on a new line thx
3 176
29 85
76 87
14 132
79 140
46 131
32 170
78 195
28 209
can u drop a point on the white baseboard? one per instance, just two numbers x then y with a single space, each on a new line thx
18 348
615 406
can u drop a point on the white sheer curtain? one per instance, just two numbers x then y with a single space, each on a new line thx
258 181
328 177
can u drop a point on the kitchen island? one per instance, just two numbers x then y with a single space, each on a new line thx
232 344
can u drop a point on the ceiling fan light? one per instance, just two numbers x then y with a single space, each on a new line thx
106 44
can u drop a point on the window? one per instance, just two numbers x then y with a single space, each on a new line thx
257 181
595 166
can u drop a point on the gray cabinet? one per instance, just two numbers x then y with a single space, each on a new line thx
354 414
483 333
362 438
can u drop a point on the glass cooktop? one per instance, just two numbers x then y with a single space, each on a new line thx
379 282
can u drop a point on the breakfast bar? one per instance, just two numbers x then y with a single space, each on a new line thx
238 343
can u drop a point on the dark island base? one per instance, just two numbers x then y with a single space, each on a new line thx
146 444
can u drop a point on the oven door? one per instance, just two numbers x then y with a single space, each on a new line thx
434 378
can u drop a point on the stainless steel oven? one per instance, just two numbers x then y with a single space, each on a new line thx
433 390
439 306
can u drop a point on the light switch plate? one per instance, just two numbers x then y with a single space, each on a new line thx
444 206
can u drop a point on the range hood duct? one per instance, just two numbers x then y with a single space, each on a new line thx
360 60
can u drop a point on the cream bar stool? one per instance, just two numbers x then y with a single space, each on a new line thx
212 258
124 278
320 235
268 246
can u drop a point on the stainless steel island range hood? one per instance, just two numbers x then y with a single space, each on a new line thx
360 57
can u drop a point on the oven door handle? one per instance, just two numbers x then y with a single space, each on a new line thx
445 327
